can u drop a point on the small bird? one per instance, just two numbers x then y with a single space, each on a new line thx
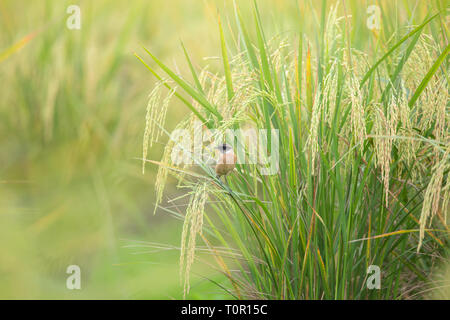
226 161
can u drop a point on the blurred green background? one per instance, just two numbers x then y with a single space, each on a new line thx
72 108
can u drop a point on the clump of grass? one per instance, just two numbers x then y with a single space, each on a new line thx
345 196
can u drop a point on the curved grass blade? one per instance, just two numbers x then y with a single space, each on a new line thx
246 39
429 74
17 46
187 87
418 29
226 65
191 67
189 105
400 65
395 233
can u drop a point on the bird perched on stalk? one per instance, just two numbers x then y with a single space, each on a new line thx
226 161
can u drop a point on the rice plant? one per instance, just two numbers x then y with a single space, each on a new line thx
363 159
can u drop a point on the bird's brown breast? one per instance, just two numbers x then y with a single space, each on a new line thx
225 163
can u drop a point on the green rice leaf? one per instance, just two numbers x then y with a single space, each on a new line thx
429 75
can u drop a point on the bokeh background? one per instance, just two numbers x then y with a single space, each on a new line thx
72 109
